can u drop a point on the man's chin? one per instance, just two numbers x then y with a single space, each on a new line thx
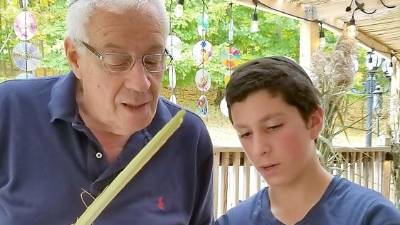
129 120
132 125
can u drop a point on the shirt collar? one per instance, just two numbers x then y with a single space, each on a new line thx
162 116
62 104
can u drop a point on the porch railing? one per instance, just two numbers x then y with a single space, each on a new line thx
235 179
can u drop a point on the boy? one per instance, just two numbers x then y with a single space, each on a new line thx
276 112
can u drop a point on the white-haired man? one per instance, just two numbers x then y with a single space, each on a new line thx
64 139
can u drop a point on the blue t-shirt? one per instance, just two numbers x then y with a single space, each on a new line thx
48 158
343 203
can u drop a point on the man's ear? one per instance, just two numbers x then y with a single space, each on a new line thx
72 55
316 122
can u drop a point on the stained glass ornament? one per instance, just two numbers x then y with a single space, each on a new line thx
202 105
203 80
202 52
25 25
231 57
174 46
26 56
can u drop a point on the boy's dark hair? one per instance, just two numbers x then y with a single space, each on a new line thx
279 76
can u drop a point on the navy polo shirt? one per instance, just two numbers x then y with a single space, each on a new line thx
343 203
51 165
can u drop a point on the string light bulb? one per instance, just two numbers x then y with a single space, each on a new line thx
322 40
179 8
390 68
352 28
254 21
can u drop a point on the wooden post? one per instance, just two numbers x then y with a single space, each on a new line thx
387 167
246 178
379 165
346 165
352 166
236 164
309 41
216 181
371 170
395 102
224 183
359 167
365 169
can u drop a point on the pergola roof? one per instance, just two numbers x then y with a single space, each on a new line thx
380 30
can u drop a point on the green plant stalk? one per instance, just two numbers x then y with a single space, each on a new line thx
136 164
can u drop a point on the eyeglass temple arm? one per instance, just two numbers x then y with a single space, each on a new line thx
169 55
92 50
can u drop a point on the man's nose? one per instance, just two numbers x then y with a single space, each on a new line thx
138 78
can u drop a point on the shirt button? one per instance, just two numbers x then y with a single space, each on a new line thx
99 155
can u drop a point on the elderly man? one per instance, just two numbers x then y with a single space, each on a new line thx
64 139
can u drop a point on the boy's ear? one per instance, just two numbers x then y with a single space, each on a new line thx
316 122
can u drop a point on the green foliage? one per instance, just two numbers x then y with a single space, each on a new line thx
7 14
49 16
51 31
277 35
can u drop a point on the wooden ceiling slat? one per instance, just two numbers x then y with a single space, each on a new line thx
383 27
395 25
377 22
379 19
381 30
388 37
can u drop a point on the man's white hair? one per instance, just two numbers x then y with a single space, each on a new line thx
79 12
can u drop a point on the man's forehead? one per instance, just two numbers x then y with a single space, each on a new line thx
107 27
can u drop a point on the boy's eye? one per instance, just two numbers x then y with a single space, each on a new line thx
274 127
244 135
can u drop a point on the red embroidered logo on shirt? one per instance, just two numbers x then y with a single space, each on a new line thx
160 203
